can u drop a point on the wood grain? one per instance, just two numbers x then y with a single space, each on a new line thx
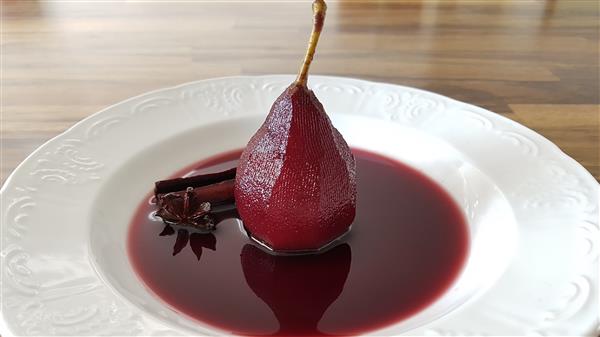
533 61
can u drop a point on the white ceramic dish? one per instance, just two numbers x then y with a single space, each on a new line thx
532 210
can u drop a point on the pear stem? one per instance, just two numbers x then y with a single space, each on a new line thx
319 8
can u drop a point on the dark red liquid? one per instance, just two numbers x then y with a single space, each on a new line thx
407 245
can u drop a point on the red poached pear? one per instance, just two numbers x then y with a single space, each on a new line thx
295 187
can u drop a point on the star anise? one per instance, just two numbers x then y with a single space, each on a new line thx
189 201
184 208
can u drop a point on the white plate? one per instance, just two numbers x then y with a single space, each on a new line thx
532 210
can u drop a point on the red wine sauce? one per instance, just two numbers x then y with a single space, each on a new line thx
407 245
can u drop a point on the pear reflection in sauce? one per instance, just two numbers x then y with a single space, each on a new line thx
298 289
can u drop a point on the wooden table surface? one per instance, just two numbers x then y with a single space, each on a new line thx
533 61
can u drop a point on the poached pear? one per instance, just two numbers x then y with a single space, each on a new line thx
295 187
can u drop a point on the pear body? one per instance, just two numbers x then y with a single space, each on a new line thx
295 186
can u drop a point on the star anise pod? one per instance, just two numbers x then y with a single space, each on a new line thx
198 240
189 201
184 208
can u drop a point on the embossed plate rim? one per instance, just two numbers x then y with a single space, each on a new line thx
508 127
